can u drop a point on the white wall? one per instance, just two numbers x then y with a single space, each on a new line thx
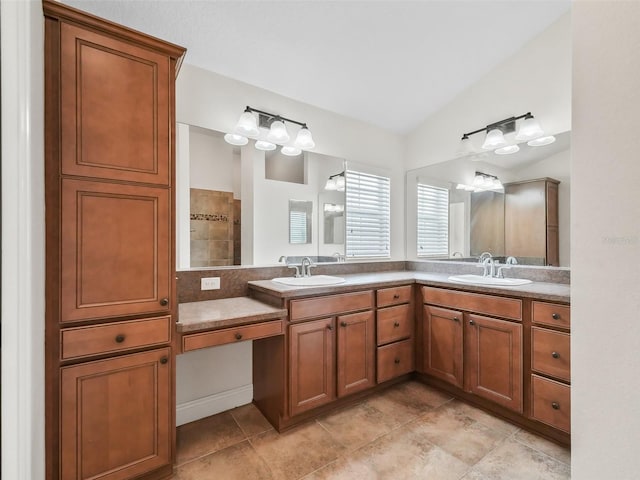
212 162
605 250
536 79
22 240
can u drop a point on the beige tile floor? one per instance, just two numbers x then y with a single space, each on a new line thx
409 431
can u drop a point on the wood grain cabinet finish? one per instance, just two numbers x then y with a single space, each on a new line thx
493 356
110 275
531 220
551 353
114 337
115 416
115 100
116 250
330 305
394 323
395 359
551 314
356 352
443 344
312 364
551 402
386 297
195 341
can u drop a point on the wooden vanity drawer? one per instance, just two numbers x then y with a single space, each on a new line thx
475 302
194 341
393 296
551 402
551 353
394 323
114 337
551 314
330 305
394 360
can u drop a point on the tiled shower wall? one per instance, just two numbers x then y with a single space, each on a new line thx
213 223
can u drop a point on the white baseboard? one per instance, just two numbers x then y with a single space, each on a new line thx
212 404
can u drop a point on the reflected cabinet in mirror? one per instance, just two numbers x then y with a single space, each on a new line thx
508 205
243 206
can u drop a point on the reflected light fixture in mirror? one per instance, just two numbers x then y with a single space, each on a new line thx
496 139
335 182
269 130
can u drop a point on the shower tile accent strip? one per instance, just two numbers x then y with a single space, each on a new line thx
209 217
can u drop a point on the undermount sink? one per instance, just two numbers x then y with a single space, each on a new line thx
480 280
312 281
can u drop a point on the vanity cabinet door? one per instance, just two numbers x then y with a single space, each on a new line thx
115 99
115 417
312 364
115 249
493 360
443 344
356 352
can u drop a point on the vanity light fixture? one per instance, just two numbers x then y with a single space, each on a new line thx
269 130
529 131
336 182
484 181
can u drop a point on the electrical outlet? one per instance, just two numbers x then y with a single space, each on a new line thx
210 283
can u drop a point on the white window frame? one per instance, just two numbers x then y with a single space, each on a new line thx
368 215
432 221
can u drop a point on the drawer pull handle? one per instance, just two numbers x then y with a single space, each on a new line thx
555 354
456 319
343 323
396 361
164 360
396 324
164 302
555 316
396 296
555 405
471 322
330 327
238 336
119 338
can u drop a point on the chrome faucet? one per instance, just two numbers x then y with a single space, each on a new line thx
484 256
510 261
306 267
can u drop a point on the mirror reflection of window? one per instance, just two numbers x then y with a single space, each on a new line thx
368 218
433 221
333 223
300 221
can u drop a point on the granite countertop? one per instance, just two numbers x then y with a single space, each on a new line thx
555 292
225 312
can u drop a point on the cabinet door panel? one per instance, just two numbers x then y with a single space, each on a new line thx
312 359
114 108
494 360
443 344
115 250
115 416
356 352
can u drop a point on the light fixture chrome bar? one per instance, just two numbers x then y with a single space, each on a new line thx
505 126
274 116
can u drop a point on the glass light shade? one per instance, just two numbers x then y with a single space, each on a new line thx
465 148
330 185
278 132
539 142
247 125
266 146
290 151
340 182
529 129
494 139
509 149
496 184
304 140
235 139
478 181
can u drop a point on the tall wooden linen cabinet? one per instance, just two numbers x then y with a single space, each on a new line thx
110 274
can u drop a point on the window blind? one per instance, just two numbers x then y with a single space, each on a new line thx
368 218
433 221
297 227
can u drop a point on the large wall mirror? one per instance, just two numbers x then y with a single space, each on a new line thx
236 205
513 218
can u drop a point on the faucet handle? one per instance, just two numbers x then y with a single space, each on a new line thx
296 268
